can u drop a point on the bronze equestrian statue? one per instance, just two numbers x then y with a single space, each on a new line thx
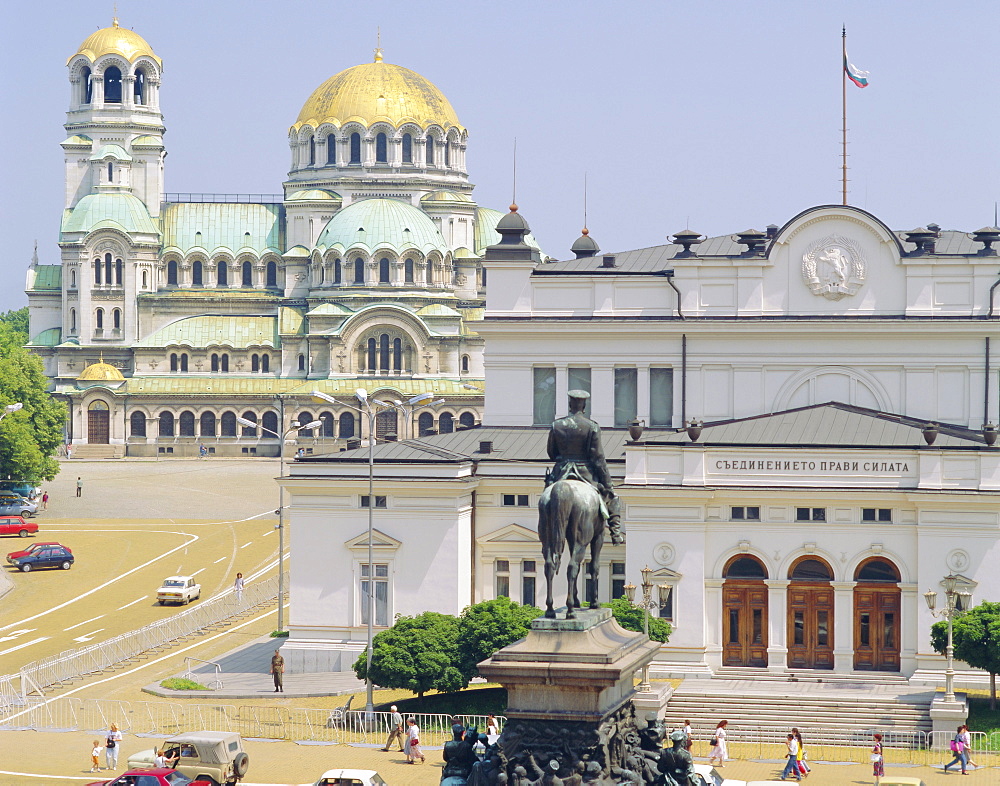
578 499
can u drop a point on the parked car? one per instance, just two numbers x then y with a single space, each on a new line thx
158 776
13 505
204 755
50 557
179 590
21 488
16 525
34 547
350 778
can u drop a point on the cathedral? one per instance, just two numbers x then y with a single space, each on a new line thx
174 319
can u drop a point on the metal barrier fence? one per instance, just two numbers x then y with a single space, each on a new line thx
75 664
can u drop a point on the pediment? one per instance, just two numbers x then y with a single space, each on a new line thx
380 541
512 533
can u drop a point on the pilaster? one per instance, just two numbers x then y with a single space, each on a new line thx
777 616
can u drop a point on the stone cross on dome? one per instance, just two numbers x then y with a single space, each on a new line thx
378 45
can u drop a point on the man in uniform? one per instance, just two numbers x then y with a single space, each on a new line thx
575 447
278 671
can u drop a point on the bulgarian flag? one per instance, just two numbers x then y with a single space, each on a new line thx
855 74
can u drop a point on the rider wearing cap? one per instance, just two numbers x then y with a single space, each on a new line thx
575 447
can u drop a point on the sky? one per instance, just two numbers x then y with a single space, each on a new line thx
715 116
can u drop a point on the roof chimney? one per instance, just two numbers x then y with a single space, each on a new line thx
485 446
608 260
390 437
754 240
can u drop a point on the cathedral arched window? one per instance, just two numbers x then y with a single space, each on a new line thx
255 362
97 271
359 271
407 148
137 424
184 361
372 350
247 269
208 424
467 420
250 431
305 417
171 273
72 279
228 424
166 424
383 352
224 363
215 361
222 275
196 274
331 150
355 148
446 423
270 423
272 274
119 272
186 424
346 425
116 319
336 271
173 361
383 271
408 271
483 278
312 151
100 318
111 173
465 364
430 272
381 149
107 269
397 354
430 151
447 153
328 423
112 85
86 86
265 363
72 320
425 424
139 87
145 280
302 362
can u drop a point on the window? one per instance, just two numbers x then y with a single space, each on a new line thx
305 417
224 363
184 361
666 612
467 420
269 423
107 264
430 151
250 431
112 85
111 176
221 275
380 501
383 271
145 279
876 514
810 514
877 570
397 354
139 87
166 424
312 151
72 320
302 362
626 395
407 149
328 424
381 149
171 273
97 272
528 569
579 379
116 319
254 362
346 425
617 580
100 319
359 271
119 270
186 424
515 500
447 153
381 594
86 86
272 274
336 271
265 364
544 400
811 570
208 424
355 148
745 567
247 270
137 424
173 361
383 352
215 361
72 279
228 424
196 276
661 396
425 424
446 423
745 513
501 572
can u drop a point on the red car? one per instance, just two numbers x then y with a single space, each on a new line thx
15 525
37 546
156 776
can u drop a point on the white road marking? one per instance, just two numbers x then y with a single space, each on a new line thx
88 636
15 633
220 559
79 624
26 644
198 571
269 532
137 600
246 544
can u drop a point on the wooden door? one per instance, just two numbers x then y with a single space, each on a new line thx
876 628
810 625
385 423
744 623
98 427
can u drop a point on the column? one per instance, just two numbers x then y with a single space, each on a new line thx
777 622
395 151
713 623
321 151
642 393
843 626
74 92
367 150
97 91
128 91
602 394
420 151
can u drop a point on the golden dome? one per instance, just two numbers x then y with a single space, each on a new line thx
116 40
100 372
375 92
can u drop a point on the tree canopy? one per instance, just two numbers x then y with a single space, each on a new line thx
629 616
976 637
489 626
30 437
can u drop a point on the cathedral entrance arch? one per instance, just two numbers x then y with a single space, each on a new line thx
810 614
744 612
876 616
98 423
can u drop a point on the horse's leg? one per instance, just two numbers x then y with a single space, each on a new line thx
577 550
597 541
551 568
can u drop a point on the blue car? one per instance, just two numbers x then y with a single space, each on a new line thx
49 557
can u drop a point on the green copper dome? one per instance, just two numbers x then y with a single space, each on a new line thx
118 210
382 223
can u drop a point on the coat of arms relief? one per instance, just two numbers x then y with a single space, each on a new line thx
834 267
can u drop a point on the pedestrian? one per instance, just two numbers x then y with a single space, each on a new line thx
720 750
688 738
395 729
45 500
111 745
79 487
202 450
412 748
278 671
492 729
792 756
69 451
967 739
95 757
804 768
162 760
878 762
960 747
238 586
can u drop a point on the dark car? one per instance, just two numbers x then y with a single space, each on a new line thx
157 776
34 547
16 525
49 557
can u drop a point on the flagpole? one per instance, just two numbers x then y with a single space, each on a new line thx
843 90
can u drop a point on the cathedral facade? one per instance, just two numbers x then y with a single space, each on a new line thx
171 316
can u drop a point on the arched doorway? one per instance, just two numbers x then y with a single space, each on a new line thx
98 423
385 423
876 616
744 612
810 615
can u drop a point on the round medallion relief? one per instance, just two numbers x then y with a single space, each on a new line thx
958 559
664 554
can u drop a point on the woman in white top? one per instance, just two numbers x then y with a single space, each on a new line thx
412 749
719 751
688 739
111 745
238 587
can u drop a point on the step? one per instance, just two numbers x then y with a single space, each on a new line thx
98 451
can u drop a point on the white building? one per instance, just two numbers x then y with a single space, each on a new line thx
798 526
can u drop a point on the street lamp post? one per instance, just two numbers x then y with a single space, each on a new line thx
647 604
281 504
412 405
10 408
949 612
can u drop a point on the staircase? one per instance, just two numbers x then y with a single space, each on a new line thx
98 451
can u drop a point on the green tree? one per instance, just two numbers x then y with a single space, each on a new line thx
629 616
486 627
416 654
30 437
18 320
976 637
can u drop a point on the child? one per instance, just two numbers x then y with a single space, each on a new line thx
95 757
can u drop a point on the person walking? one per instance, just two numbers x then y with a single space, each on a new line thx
412 748
278 672
69 452
960 747
45 500
792 759
492 729
396 729
804 768
202 450
878 760
111 746
238 586
720 751
79 487
95 757
688 737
